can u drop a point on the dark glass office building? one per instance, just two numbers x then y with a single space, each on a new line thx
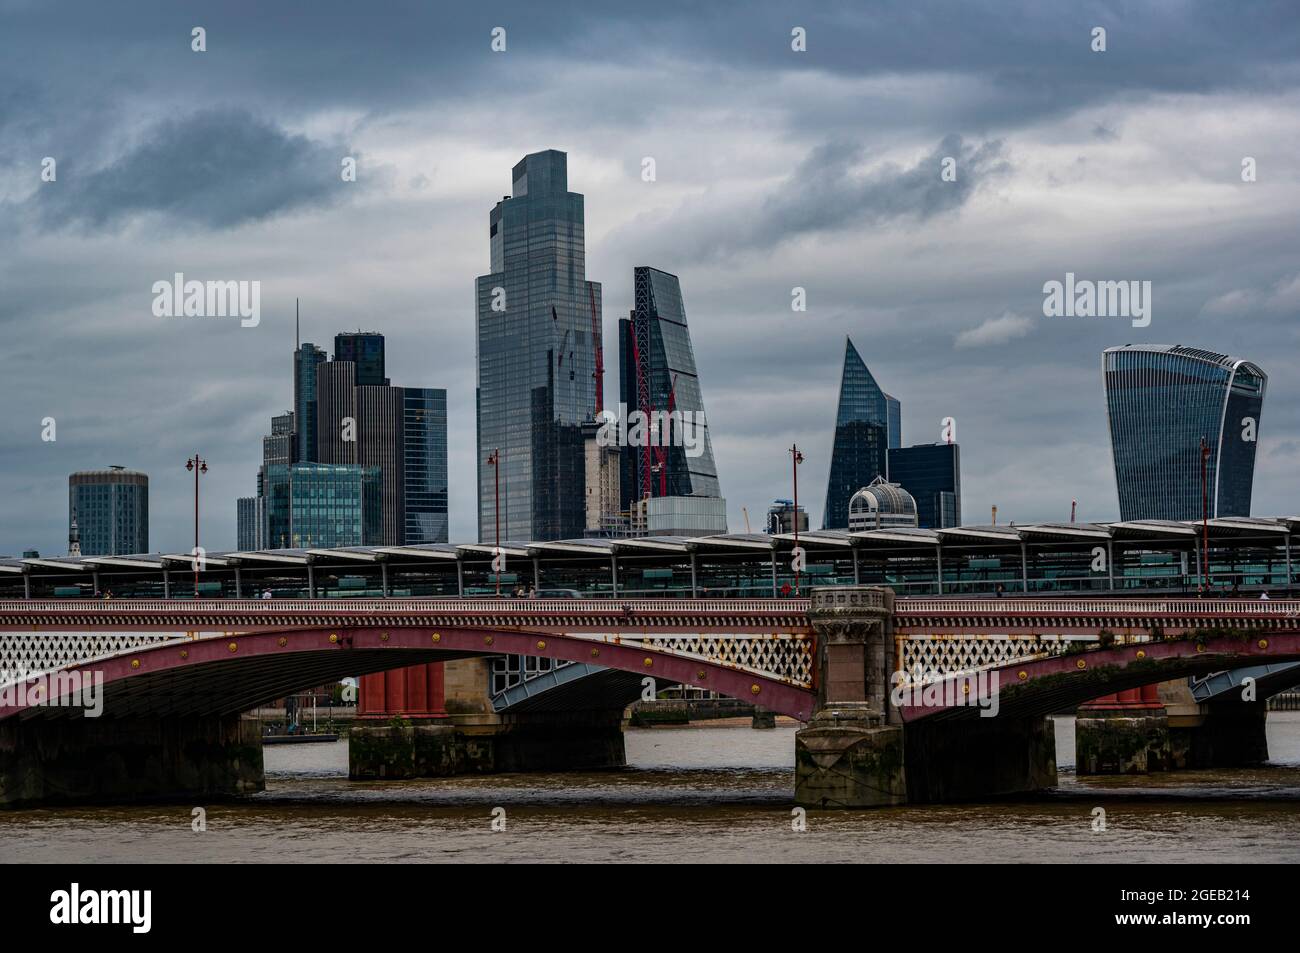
658 375
862 438
305 362
111 508
322 506
1160 401
424 450
536 356
931 473
365 349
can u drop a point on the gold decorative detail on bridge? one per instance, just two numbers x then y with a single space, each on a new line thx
282 641
649 662
595 653
1022 675
185 653
1263 643
1200 646
233 646
488 640
701 675
135 663
1081 664
1141 653
437 637
383 636
334 638
540 645
754 689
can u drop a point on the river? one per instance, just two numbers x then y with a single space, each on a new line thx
698 793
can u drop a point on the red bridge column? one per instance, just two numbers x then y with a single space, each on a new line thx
416 692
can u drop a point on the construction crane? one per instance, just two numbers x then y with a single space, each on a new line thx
661 451
597 346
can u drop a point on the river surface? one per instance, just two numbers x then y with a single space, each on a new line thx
705 794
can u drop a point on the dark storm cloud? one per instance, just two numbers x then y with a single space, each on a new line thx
214 169
826 191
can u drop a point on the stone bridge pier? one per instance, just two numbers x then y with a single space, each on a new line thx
856 752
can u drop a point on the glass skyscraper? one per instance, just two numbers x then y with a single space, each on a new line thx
424 422
862 437
305 361
111 508
322 505
536 357
931 473
1160 401
658 374
365 349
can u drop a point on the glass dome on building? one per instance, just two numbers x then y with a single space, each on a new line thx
881 505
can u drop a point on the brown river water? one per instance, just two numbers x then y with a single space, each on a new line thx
704 794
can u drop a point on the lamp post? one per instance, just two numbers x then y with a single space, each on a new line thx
197 466
1205 517
494 461
796 458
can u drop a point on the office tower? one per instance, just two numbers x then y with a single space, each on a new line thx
424 451
538 327
365 349
895 415
336 413
931 473
1160 401
322 505
881 505
250 524
280 445
604 504
862 434
380 424
781 517
111 508
658 377
306 359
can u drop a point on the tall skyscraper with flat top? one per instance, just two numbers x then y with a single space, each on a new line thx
1160 401
536 357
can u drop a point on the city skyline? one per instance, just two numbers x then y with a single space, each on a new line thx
1126 173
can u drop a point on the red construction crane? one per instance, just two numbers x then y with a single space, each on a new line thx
596 344
661 452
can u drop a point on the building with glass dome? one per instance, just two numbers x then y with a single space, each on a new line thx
881 505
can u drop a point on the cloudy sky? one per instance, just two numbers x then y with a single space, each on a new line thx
775 169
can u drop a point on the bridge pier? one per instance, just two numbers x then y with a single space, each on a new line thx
848 756
855 751
116 760
1161 727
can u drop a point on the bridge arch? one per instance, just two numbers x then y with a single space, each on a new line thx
1045 685
226 674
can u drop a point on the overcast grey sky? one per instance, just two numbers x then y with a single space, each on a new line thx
775 169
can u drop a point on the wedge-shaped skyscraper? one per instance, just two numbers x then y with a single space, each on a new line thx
1160 401
658 376
862 437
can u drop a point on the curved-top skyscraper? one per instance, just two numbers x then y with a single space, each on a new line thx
1160 401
